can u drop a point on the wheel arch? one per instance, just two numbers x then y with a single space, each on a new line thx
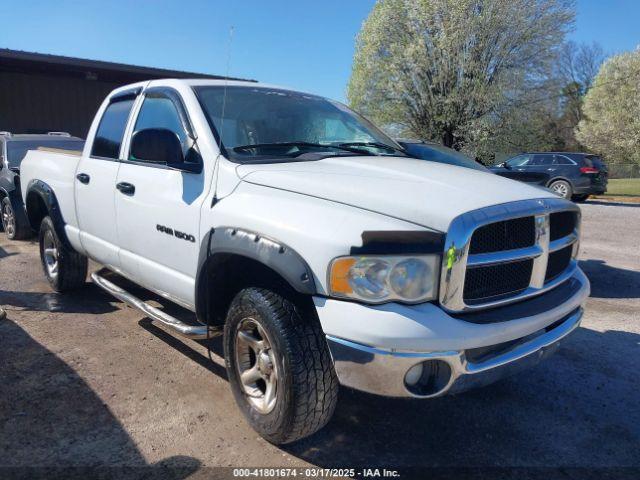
555 179
40 201
233 258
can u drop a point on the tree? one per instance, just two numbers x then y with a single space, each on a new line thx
578 67
448 70
611 125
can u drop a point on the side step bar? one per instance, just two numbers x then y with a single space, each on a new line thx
196 332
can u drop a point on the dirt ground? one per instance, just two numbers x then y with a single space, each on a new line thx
87 381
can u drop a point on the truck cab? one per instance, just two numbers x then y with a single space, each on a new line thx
321 251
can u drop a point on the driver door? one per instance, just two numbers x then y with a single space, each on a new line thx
158 208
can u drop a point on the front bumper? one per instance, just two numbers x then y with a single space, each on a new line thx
467 354
383 372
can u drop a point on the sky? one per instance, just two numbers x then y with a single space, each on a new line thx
302 44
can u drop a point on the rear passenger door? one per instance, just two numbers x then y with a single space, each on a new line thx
158 221
96 179
537 169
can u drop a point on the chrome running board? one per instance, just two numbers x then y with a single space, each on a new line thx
195 332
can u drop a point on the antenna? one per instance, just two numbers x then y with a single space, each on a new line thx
226 82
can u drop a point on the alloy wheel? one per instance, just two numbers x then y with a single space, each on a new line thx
561 189
8 220
50 254
256 365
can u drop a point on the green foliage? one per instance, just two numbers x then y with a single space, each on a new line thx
456 71
611 125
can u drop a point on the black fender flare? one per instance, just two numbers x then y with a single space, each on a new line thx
270 252
47 195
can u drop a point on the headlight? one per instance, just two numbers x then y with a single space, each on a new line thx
377 279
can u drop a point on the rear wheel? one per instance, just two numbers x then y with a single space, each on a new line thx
279 366
13 228
64 268
561 188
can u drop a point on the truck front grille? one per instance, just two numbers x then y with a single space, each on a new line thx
558 262
506 252
482 283
505 235
562 224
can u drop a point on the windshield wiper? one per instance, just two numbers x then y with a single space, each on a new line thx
380 145
346 148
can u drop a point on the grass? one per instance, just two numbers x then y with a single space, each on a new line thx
623 187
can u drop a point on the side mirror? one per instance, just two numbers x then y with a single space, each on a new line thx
157 145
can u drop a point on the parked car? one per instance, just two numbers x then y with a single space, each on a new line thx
303 234
435 152
13 148
569 175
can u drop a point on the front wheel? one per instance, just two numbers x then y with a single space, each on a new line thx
64 268
562 188
279 366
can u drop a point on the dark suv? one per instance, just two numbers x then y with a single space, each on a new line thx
13 149
571 175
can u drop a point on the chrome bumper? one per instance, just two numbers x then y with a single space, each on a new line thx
383 372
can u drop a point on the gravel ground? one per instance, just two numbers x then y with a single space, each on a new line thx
87 381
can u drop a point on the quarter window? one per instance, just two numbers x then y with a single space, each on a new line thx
111 129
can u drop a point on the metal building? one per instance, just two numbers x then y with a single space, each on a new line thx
42 93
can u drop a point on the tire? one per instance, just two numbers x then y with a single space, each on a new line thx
561 188
13 228
580 198
294 349
64 268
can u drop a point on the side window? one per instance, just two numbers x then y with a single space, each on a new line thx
111 129
546 160
562 160
536 160
159 111
519 161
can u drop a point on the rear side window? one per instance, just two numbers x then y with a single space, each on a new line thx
562 160
538 160
111 129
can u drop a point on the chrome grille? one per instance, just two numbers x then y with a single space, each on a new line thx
505 235
562 224
497 280
558 262
537 242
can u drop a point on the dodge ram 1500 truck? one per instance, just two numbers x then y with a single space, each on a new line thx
322 252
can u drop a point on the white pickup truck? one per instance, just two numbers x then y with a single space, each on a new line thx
312 241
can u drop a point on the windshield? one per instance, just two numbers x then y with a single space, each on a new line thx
441 154
17 150
256 123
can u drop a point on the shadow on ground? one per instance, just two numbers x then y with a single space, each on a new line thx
52 423
89 299
611 282
613 203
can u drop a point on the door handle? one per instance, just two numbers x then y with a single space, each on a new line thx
126 188
83 178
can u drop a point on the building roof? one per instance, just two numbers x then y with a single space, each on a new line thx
17 60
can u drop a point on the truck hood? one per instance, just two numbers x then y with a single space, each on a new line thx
425 193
